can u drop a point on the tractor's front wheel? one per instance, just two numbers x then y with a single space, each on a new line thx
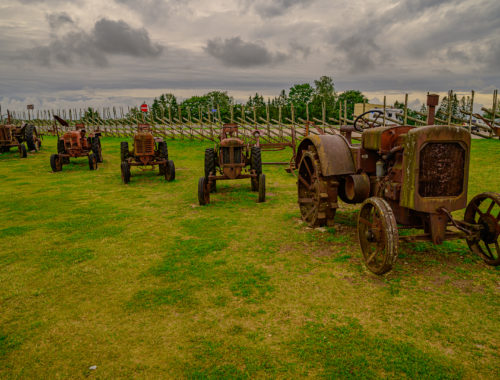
262 188
92 161
170 171
203 191
125 172
56 163
378 235
22 151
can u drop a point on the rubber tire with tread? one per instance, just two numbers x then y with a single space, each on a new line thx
170 171
30 136
203 195
92 161
124 152
22 151
96 148
256 160
55 163
125 167
262 188
163 150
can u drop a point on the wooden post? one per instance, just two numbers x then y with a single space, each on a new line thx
471 110
385 104
494 111
405 120
345 112
218 115
231 109
449 106
323 115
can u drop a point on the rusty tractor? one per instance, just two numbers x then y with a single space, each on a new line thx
25 138
75 143
232 158
405 177
148 151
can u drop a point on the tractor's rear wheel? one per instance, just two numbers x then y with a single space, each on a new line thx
262 188
378 235
170 171
56 163
210 166
124 152
203 191
163 150
484 210
31 137
256 160
313 191
96 148
22 151
125 172
92 161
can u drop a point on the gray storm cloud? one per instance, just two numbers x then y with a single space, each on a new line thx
274 8
107 38
238 53
56 20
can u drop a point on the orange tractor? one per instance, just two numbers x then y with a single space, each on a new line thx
76 143
230 157
148 151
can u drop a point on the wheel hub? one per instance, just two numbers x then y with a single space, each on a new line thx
489 232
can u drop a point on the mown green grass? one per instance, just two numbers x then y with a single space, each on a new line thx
142 282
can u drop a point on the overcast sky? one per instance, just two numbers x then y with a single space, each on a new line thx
57 53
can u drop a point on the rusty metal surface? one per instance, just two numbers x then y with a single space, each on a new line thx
414 145
383 139
334 154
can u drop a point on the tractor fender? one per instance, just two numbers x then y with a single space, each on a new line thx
335 157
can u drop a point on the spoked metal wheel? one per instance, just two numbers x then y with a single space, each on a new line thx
313 197
484 210
378 235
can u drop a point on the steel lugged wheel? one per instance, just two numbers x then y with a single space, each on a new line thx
125 172
484 209
315 207
92 161
96 148
170 171
262 188
256 160
163 150
124 152
31 137
378 235
56 163
203 191
22 151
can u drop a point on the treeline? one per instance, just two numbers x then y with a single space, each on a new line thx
301 101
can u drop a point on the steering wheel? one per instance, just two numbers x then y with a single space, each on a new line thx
362 122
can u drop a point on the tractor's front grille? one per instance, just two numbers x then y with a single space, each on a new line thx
442 167
226 155
144 144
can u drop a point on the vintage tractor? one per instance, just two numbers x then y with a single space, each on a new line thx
13 136
76 143
406 178
148 151
230 157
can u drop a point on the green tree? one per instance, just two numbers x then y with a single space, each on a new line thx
351 97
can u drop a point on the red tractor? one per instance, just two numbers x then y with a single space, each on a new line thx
13 136
405 177
76 143
148 151
230 157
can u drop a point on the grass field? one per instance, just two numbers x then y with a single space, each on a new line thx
140 281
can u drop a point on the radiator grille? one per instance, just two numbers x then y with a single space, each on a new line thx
442 167
144 144
226 155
